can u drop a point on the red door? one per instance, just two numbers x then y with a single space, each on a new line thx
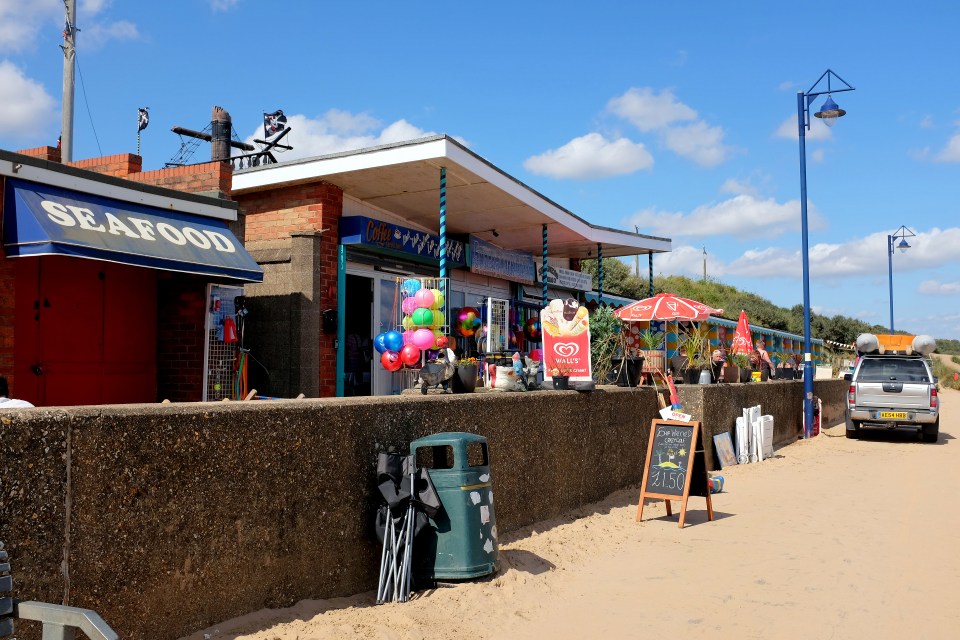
85 332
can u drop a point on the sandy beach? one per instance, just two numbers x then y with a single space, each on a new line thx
830 538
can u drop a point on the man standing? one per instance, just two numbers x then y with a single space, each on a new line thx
10 403
679 364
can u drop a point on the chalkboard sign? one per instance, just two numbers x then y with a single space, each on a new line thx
675 467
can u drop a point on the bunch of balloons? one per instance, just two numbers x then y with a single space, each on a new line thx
423 316
532 329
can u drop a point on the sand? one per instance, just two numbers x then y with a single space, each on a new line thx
832 538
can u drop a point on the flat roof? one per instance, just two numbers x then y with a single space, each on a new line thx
404 178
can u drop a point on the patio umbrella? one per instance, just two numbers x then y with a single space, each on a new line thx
666 306
742 339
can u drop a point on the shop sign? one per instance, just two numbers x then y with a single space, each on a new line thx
387 235
565 329
490 260
568 278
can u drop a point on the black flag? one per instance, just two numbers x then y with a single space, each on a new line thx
274 123
143 119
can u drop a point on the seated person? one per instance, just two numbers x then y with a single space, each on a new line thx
679 364
717 365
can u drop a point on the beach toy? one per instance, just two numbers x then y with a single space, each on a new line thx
532 329
716 484
410 354
393 340
468 321
391 360
437 299
424 338
378 343
409 305
408 336
410 287
423 317
424 298
407 322
443 342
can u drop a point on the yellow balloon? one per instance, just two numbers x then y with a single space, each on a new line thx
437 299
407 322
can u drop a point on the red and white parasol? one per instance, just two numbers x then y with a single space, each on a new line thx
742 339
666 306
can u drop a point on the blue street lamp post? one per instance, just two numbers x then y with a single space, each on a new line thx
903 233
828 113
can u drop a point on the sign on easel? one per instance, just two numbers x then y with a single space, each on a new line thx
675 467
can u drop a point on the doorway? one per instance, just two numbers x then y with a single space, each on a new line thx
358 336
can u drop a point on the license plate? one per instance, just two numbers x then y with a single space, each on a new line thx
894 415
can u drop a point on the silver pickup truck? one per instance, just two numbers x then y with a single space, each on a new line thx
890 391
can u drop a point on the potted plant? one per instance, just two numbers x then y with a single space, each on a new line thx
742 362
695 342
731 373
561 377
652 343
465 378
785 368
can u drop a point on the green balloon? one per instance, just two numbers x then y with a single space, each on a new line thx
423 317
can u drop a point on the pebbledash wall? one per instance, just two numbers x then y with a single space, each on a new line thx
172 518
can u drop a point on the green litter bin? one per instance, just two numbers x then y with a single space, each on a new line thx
461 541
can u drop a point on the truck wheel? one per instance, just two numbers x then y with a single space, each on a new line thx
854 433
931 433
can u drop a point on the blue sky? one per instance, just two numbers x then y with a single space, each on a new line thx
679 117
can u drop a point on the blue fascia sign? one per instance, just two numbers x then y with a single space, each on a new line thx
490 260
395 238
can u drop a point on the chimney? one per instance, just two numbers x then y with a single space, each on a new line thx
221 127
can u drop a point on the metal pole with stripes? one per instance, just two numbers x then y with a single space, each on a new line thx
543 268
650 260
443 223
600 272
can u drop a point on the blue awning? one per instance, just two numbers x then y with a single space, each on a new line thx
41 220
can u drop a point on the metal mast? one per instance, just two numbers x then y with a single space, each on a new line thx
69 54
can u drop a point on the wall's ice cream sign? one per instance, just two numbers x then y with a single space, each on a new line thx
565 328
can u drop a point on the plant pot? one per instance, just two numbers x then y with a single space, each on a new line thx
628 371
465 379
745 374
785 373
691 375
561 383
731 373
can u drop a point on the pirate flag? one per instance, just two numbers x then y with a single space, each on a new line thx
274 123
143 118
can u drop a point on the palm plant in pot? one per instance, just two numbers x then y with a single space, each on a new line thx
742 362
696 343
561 377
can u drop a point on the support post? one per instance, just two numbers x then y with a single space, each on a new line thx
341 314
807 356
890 274
543 267
600 272
69 56
650 265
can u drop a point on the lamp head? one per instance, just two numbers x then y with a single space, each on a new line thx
829 112
903 245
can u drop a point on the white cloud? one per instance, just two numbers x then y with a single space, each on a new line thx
790 129
926 122
786 85
698 141
686 260
935 288
20 21
340 131
648 111
817 156
744 216
590 157
223 5
26 109
677 124
738 187
951 152
97 35
92 7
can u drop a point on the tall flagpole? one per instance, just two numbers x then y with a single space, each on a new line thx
69 54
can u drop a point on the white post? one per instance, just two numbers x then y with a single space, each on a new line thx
69 54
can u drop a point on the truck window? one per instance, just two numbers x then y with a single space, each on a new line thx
876 370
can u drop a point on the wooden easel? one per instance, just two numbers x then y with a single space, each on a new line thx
691 471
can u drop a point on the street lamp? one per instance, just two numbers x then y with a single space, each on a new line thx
903 233
829 113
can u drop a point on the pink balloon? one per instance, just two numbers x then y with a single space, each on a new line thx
410 354
424 298
391 360
408 336
424 338
409 305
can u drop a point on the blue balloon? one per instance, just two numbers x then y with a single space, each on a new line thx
379 343
393 340
410 287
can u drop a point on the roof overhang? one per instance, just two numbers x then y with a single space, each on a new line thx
404 179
